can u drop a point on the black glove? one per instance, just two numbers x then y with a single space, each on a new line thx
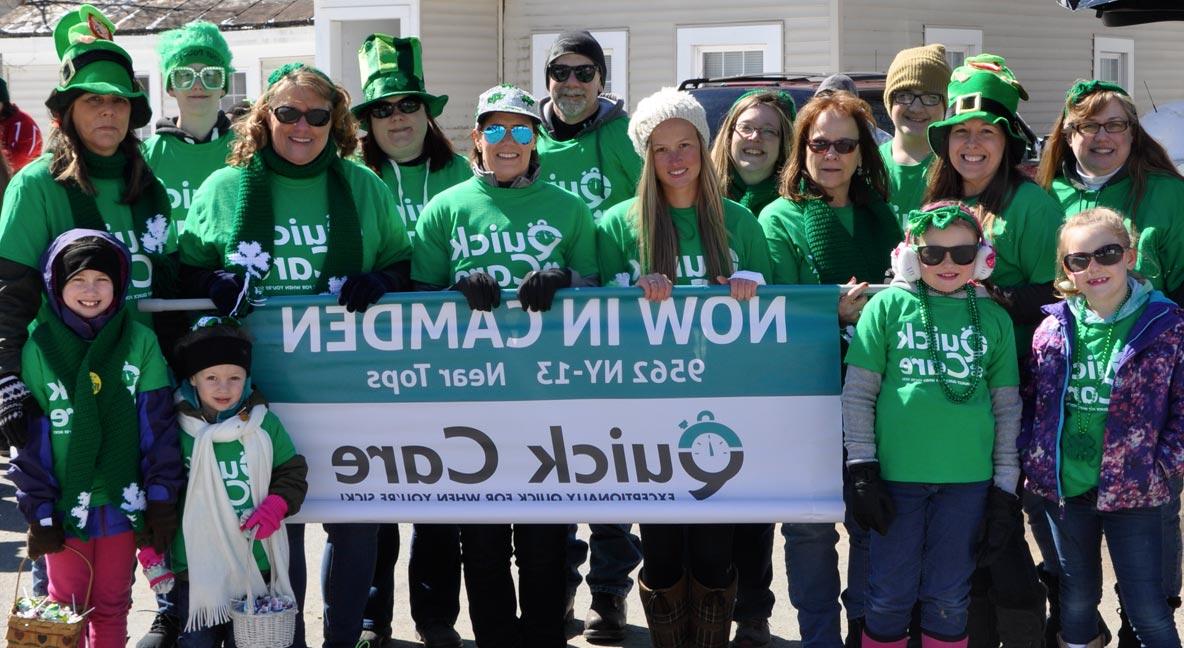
538 288
870 503
17 408
160 525
223 288
46 539
361 290
1003 516
481 291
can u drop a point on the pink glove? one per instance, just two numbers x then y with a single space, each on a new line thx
267 517
160 577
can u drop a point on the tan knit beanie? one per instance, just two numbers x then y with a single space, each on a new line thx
924 68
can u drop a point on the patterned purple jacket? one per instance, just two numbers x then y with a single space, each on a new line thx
1143 443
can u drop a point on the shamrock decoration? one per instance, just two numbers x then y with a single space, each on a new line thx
528 100
133 499
1080 447
155 234
82 511
495 98
252 258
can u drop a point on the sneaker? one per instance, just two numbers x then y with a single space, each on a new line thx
439 636
606 619
752 633
162 634
370 639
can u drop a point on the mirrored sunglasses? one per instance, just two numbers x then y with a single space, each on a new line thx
212 77
1106 255
496 132
407 106
290 115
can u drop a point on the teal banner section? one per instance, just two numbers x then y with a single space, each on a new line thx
601 343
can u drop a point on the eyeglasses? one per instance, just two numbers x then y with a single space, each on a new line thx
1092 128
290 115
932 255
907 98
842 146
407 106
212 78
1106 255
748 130
496 132
584 73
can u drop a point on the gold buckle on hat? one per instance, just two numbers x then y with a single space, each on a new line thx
968 103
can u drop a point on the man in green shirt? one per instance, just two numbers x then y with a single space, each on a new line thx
583 146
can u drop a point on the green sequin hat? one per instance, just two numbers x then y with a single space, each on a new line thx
393 67
509 99
92 62
195 42
982 88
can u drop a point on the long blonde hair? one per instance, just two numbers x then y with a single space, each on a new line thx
657 238
251 132
1103 217
721 150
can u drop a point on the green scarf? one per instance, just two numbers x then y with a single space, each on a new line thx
866 253
253 243
104 444
150 217
754 197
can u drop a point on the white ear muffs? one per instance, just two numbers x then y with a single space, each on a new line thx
984 261
905 264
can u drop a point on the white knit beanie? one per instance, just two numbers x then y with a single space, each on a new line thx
664 104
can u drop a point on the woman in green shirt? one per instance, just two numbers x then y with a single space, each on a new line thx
753 144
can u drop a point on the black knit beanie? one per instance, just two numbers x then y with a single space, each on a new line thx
87 254
578 42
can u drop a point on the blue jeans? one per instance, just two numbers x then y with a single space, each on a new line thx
812 567
1135 540
433 577
615 554
211 637
927 557
1037 509
346 571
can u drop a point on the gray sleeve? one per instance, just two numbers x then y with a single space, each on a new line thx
1007 408
860 391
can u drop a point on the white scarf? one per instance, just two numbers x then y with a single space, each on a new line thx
221 563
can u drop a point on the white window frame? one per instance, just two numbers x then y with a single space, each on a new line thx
614 42
1104 45
968 40
692 41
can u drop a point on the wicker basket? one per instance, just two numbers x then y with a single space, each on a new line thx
269 630
37 633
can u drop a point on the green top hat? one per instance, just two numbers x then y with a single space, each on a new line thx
393 67
92 62
982 88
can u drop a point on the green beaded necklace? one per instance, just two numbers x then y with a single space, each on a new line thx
1080 445
976 370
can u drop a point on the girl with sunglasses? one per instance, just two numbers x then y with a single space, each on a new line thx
187 148
1105 438
680 230
832 224
931 347
504 228
261 227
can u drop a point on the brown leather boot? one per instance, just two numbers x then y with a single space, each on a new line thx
711 614
666 613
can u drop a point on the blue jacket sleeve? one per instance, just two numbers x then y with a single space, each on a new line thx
160 445
31 471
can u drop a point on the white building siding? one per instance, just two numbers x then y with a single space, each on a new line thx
653 29
1047 46
460 59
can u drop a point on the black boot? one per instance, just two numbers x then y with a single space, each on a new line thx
980 622
1021 628
1126 632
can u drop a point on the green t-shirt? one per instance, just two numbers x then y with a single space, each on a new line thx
906 183
1161 232
505 232
232 465
915 440
182 166
143 371
600 165
1025 237
784 223
616 243
36 211
1087 403
301 207
410 201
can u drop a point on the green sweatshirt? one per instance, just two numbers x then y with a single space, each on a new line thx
598 165
412 186
182 166
906 183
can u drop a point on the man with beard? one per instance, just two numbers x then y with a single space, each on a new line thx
584 147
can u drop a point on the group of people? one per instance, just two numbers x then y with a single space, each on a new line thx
1027 356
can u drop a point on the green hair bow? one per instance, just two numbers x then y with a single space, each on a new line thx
939 217
288 68
1083 88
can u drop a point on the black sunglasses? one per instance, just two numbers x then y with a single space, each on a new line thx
1105 255
842 146
584 73
407 106
290 115
932 255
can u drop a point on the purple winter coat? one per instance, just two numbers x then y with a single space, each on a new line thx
1143 443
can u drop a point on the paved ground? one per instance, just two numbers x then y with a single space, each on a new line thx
12 540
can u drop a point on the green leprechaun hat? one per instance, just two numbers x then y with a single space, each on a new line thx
92 62
195 42
983 87
393 67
